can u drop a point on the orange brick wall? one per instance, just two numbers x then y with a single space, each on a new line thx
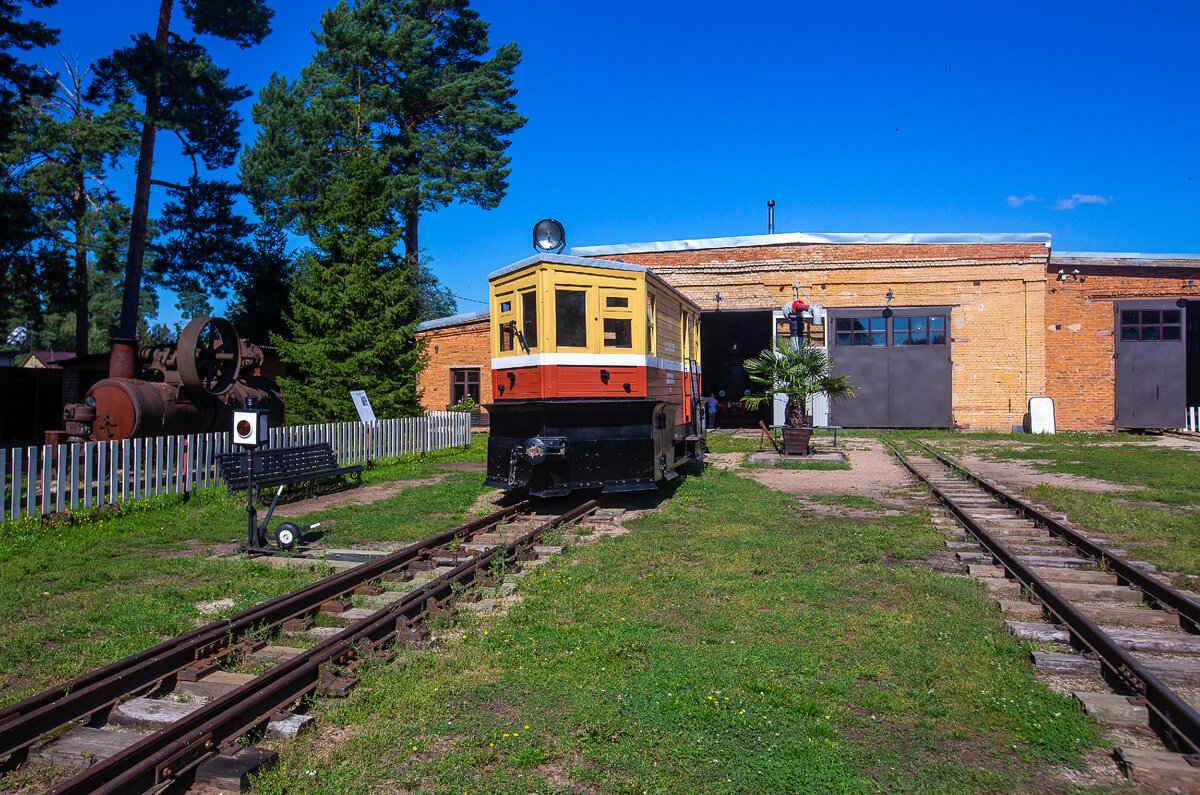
1079 334
996 293
451 347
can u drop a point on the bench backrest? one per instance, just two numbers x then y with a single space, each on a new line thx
279 461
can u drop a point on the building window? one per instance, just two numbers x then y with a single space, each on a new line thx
464 385
861 331
1151 325
570 318
506 336
919 330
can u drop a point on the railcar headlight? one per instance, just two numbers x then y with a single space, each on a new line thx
549 235
535 450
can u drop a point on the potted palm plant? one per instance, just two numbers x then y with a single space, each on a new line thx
800 373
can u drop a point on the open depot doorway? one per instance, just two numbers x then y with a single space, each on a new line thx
726 340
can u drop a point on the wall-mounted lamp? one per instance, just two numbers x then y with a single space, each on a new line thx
717 298
890 296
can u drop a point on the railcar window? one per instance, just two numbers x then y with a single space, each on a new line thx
650 325
529 318
618 332
570 318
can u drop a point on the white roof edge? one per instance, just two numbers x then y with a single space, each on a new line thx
565 260
1121 255
845 238
453 319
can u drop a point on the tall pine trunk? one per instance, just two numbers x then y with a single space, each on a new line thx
81 269
141 198
412 214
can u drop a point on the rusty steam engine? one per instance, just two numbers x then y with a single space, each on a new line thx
193 386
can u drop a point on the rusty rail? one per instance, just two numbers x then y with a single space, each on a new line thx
218 725
1126 572
1179 720
21 724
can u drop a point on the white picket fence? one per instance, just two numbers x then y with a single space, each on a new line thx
57 478
1193 419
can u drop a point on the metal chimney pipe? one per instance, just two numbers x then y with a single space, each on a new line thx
770 216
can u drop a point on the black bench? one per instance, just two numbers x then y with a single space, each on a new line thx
281 466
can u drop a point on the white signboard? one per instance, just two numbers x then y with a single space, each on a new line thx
365 413
1041 415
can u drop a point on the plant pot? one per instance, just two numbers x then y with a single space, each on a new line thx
795 439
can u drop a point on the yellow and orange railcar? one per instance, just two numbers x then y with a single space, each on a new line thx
595 373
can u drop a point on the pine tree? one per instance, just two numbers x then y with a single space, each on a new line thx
188 94
62 149
261 296
352 319
20 82
21 233
406 79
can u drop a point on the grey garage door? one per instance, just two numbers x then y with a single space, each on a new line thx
899 358
1151 366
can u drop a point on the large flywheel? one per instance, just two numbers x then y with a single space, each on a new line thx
209 355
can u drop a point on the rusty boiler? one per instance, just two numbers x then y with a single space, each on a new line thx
165 390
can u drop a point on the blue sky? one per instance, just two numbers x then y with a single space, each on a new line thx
669 120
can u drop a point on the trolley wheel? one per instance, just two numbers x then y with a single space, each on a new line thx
286 535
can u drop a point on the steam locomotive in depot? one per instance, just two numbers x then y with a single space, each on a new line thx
595 377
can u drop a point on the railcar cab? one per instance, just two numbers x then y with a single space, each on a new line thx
595 377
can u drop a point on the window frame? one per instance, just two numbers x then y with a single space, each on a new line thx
584 290
1154 328
622 313
466 384
531 337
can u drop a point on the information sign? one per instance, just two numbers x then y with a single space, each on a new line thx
365 413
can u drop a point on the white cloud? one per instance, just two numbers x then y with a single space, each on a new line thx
1017 201
1080 198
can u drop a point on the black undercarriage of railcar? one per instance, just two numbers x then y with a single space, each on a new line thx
552 447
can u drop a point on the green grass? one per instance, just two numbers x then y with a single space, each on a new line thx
730 644
726 646
76 595
725 442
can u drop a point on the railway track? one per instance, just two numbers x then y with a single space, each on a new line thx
455 562
1120 619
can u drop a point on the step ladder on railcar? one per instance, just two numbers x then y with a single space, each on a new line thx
699 405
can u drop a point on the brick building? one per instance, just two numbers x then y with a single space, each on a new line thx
936 330
942 330
1109 367
459 364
